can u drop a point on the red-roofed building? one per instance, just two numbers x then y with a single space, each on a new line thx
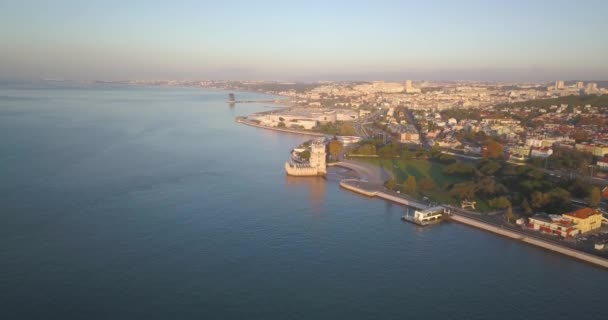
586 219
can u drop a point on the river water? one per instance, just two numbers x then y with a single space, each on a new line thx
152 203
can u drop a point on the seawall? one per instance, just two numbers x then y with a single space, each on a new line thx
372 191
532 240
253 124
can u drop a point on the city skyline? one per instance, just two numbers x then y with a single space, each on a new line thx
468 40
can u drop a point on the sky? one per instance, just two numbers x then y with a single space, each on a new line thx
311 40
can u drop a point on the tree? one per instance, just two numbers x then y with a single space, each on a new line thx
335 148
493 150
410 185
595 197
526 207
281 125
390 183
464 190
460 168
509 214
489 167
554 201
426 184
305 154
500 203
367 149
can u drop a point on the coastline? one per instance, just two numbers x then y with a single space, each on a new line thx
374 191
371 185
253 124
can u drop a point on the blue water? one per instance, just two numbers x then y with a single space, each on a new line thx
152 203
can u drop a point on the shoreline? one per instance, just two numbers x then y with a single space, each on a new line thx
294 131
374 191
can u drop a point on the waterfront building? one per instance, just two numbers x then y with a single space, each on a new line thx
429 215
553 224
586 219
316 166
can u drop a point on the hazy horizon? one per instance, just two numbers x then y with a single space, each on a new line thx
387 40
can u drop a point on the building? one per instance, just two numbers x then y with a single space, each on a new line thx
586 219
409 88
407 133
602 164
408 84
553 224
591 87
429 215
542 152
315 167
580 85
559 84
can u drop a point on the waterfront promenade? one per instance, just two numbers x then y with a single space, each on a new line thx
370 183
374 189
244 120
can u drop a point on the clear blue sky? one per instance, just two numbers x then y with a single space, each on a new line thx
304 40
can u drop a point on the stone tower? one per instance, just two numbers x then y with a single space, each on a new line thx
317 157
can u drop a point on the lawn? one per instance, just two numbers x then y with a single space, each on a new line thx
424 169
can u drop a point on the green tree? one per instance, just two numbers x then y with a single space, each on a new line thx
500 203
460 168
305 154
595 197
367 149
390 183
526 207
410 185
281 125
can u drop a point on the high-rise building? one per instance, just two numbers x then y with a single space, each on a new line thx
559 84
409 88
408 84
591 86
580 85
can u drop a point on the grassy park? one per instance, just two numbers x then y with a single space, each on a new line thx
432 181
